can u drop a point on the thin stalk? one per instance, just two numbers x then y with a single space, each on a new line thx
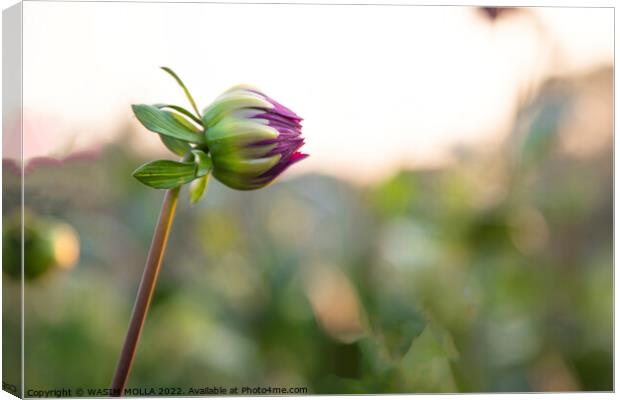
145 291
187 93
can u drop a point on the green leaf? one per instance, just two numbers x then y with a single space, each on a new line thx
427 365
180 110
167 123
203 163
197 189
180 82
176 146
165 174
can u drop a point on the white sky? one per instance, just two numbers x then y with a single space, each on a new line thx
378 87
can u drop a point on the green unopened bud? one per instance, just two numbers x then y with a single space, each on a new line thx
48 244
251 137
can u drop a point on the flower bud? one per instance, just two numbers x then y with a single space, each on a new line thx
48 244
251 138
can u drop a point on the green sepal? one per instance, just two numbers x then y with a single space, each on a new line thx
176 146
197 189
203 163
180 110
165 174
167 123
187 93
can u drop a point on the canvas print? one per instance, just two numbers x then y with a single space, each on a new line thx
205 199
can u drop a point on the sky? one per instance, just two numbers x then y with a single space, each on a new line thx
379 88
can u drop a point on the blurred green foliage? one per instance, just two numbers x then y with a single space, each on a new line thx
491 274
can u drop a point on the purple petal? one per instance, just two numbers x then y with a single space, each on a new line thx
282 165
275 119
279 108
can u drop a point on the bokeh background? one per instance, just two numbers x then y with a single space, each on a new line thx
451 231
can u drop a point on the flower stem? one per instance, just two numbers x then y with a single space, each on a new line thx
145 291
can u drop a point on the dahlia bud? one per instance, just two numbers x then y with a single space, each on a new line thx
251 138
245 139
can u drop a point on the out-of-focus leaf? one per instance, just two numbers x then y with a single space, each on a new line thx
165 174
167 123
378 372
375 361
426 366
398 323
